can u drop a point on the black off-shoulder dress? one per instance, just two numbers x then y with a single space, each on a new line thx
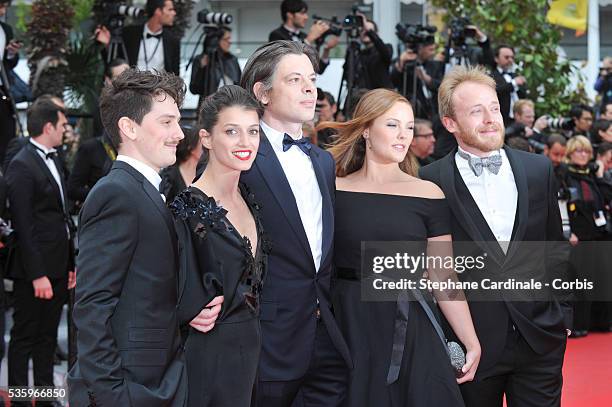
399 360
216 260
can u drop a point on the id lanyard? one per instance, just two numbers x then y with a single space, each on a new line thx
144 47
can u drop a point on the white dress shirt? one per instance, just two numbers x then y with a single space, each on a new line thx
149 173
495 194
50 164
151 52
303 182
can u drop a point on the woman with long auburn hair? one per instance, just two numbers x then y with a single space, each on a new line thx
398 349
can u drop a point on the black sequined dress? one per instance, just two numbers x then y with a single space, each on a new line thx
216 260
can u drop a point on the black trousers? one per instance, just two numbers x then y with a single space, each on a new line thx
323 385
525 377
7 125
34 333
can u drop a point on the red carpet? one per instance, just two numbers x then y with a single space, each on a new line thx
587 372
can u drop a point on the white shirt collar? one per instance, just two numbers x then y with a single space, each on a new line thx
46 150
148 31
149 173
490 153
296 31
274 136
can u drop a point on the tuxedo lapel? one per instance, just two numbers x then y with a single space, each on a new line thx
522 209
155 197
272 173
43 167
466 210
326 204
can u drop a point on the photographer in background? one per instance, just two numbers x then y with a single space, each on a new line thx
509 86
374 58
460 49
9 56
325 112
603 84
418 60
149 46
295 15
226 70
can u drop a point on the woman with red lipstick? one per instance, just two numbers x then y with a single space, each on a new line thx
398 352
223 254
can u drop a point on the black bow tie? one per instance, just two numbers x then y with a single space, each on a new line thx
158 36
303 143
50 155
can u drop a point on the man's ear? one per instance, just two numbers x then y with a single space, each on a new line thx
450 124
205 139
260 93
127 128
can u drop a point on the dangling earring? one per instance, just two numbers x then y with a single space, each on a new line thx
367 142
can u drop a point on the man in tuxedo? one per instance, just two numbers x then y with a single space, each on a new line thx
509 86
302 347
9 56
295 15
149 46
42 263
499 198
129 346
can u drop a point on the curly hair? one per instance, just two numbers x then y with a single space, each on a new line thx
131 95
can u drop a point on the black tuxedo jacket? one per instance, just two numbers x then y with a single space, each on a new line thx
504 92
281 33
39 218
542 323
132 36
90 164
292 285
129 347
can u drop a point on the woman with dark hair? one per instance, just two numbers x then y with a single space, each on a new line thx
176 177
223 254
398 348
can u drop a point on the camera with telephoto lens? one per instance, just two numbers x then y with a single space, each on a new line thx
208 17
460 32
114 14
414 35
563 123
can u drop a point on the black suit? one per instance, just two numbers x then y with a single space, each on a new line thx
293 338
171 47
91 163
536 329
44 249
7 129
281 33
504 94
129 347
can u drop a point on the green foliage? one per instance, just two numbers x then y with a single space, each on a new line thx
48 32
22 12
82 11
522 24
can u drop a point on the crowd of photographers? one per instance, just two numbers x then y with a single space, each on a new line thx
579 145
